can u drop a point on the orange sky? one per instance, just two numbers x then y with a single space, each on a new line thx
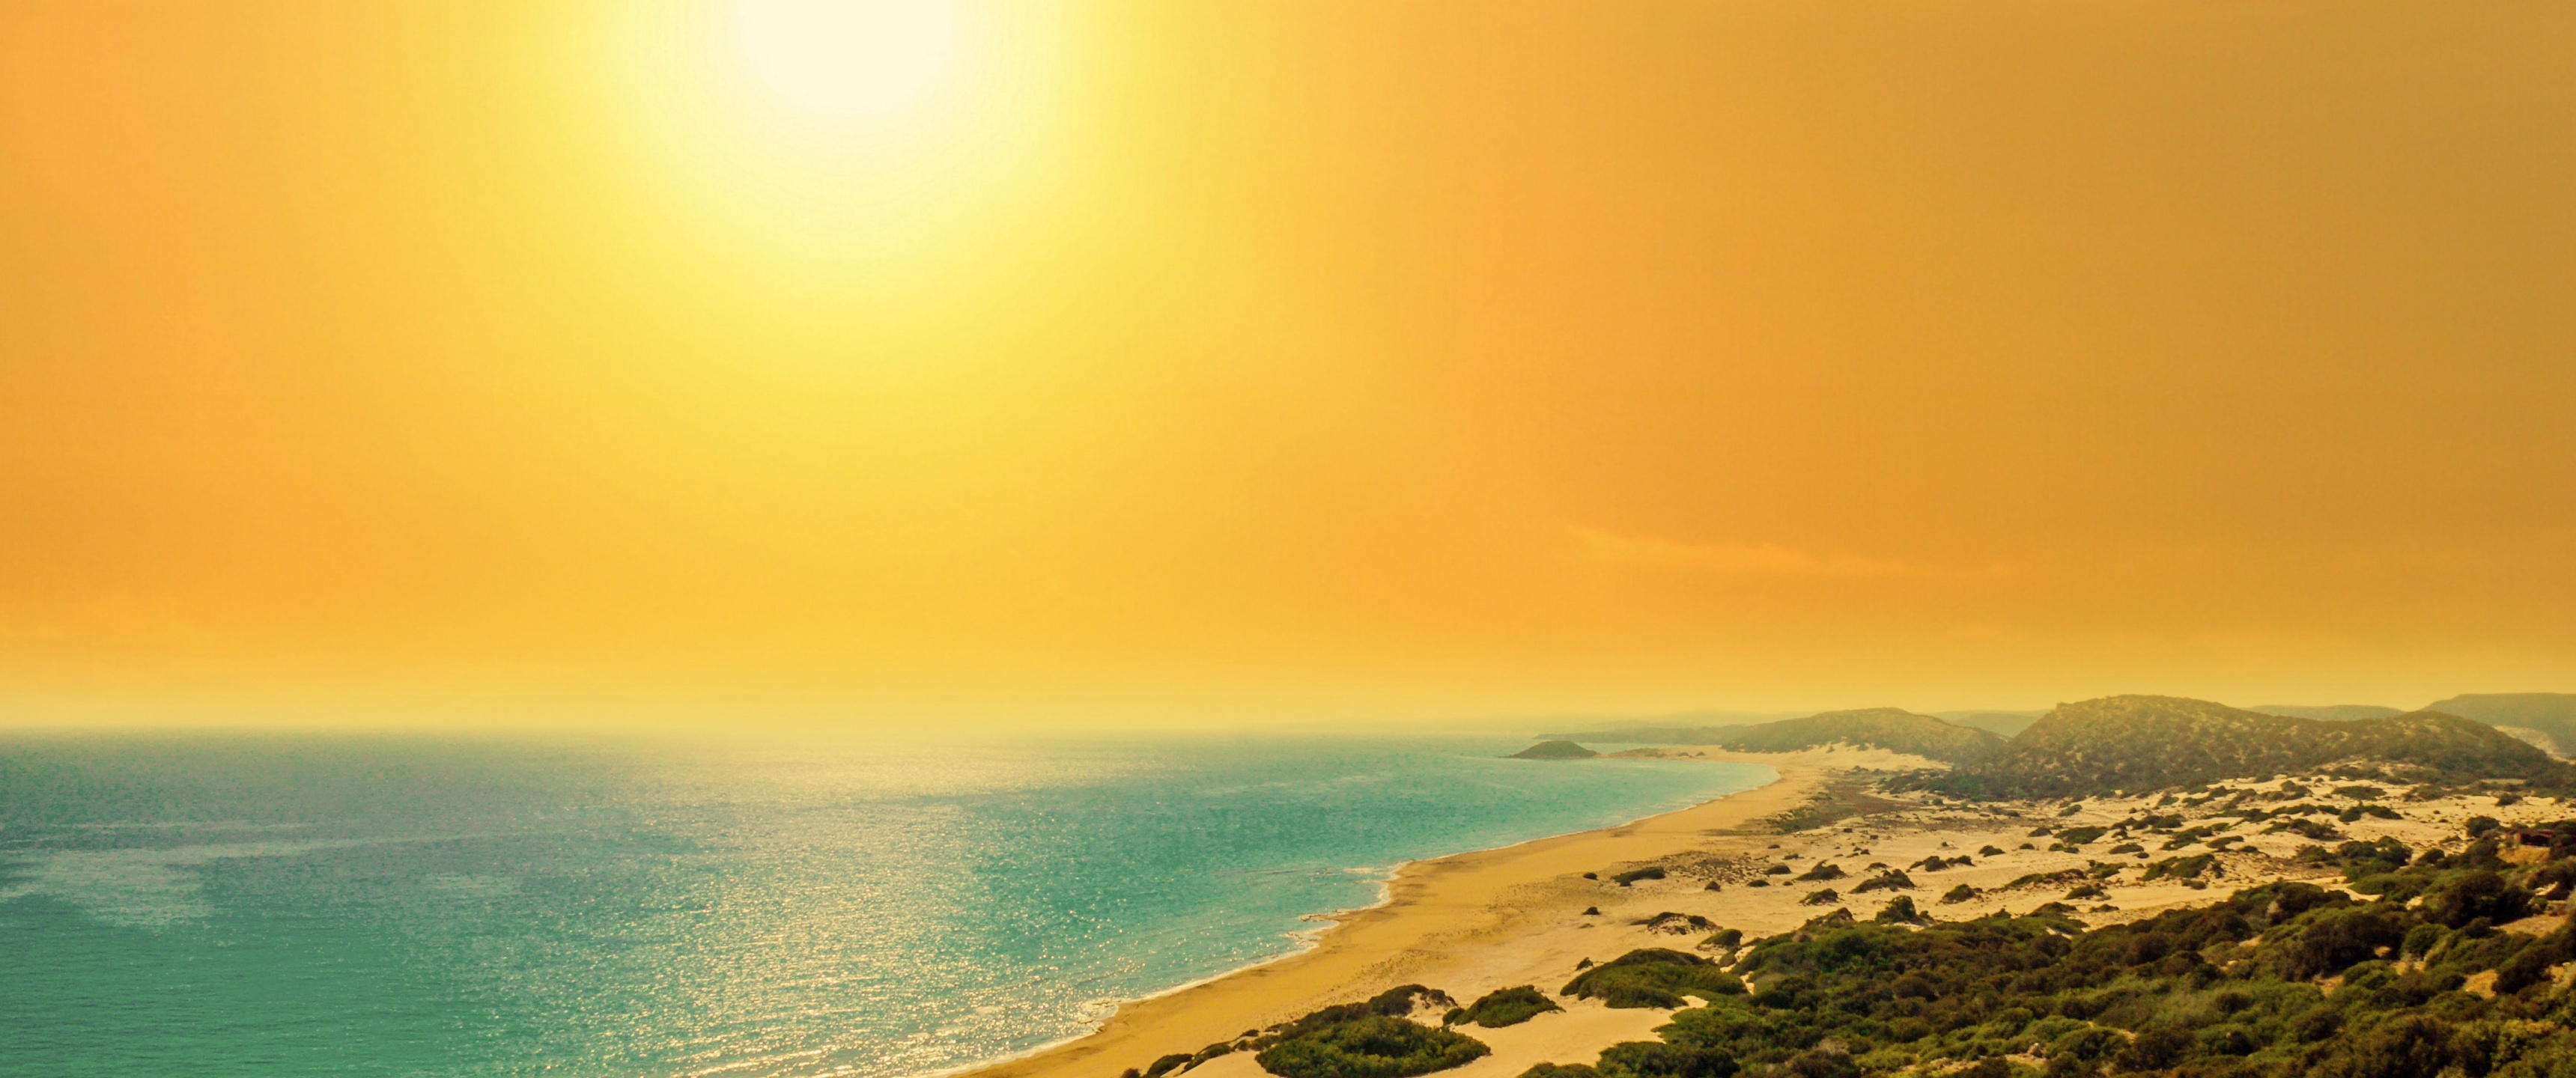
1230 362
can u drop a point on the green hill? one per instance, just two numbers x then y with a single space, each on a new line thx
2551 713
1555 750
2152 742
1878 727
2333 712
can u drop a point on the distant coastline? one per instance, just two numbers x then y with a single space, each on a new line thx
2180 795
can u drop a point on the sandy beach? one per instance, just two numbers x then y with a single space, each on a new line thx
1525 914
1466 924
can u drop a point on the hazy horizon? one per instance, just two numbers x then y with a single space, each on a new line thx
1179 365
832 722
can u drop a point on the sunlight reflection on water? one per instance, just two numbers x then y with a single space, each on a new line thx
494 908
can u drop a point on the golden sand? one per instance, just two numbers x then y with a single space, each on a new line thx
1474 922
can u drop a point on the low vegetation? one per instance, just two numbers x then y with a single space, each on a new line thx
1654 977
1503 1007
2415 980
1839 801
1373 1039
1374 1046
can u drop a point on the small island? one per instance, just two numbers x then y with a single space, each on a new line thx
1555 750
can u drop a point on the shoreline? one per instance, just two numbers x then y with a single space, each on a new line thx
1435 919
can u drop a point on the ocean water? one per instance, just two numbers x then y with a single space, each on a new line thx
284 906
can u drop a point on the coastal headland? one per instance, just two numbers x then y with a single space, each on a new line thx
1862 833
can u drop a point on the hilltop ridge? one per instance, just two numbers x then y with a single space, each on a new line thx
2152 742
2334 712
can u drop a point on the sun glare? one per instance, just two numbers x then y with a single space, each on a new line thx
822 139
847 59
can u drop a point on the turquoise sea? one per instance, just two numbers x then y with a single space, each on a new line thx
300 905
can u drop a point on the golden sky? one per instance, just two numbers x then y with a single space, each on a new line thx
1228 362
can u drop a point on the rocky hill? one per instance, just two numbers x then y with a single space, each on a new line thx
2142 743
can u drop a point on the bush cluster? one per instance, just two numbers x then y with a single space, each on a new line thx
1654 977
1503 1007
2282 980
1374 1046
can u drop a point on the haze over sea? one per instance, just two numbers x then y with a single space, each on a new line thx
305 905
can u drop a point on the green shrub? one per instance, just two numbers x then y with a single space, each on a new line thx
1824 1063
1505 1007
1657 1059
2154 1049
2336 940
2088 1044
2180 868
1840 996
2475 895
2411 1046
1890 880
1375 1046
1653 977
2530 965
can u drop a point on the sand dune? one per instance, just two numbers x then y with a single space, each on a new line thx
1476 922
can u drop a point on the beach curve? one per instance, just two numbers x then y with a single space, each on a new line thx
1464 922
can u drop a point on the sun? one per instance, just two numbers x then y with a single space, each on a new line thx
824 138
847 59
